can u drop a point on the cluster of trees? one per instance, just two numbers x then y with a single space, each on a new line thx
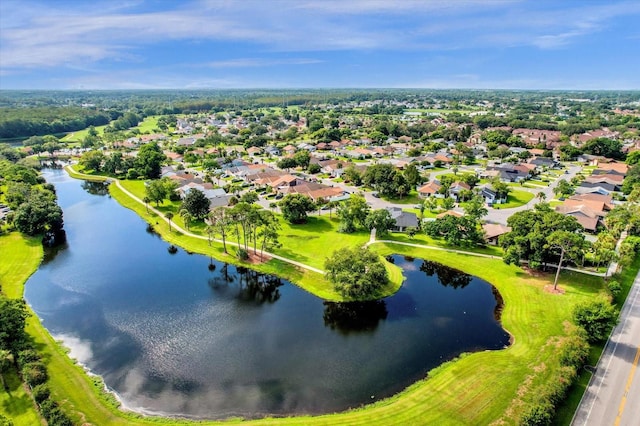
389 181
34 204
458 230
356 272
147 164
299 159
541 236
159 190
17 352
355 214
248 223
26 122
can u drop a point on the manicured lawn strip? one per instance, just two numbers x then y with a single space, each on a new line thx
20 258
19 255
516 198
74 173
311 243
81 134
424 239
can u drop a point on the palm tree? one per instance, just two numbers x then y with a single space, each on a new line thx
146 203
169 216
186 217
541 196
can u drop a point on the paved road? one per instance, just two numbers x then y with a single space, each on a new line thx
613 394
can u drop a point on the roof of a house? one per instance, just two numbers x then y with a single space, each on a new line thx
493 230
403 219
430 188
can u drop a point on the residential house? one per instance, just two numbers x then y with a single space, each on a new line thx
588 218
458 187
430 189
614 180
404 220
450 213
491 196
254 150
493 231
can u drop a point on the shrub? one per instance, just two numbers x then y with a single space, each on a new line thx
5 421
26 356
538 415
243 254
596 317
34 373
41 393
47 408
132 174
614 288
574 348
57 417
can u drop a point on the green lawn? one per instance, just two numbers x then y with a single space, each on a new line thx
81 134
516 198
20 258
312 242
149 124
411 198
424 239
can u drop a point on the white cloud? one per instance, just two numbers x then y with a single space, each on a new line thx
260 62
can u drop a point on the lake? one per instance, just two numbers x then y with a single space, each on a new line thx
184 335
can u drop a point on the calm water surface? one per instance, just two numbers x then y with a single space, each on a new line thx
171 336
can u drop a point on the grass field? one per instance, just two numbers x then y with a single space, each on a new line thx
81 134
516 198
148 125
20 258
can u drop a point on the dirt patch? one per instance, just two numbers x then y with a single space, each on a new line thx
255 259
549 289
533 272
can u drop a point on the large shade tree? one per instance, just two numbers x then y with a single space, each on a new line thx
356 272
196 203
295 207
530 232
570 245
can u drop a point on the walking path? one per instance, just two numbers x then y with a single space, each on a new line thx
190 234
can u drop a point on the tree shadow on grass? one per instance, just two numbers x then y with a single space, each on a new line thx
14 405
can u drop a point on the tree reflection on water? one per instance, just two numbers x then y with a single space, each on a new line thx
250 285
354 317
448 277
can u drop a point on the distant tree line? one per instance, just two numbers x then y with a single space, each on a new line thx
26 122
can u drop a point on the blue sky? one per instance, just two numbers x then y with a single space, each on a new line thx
129 44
